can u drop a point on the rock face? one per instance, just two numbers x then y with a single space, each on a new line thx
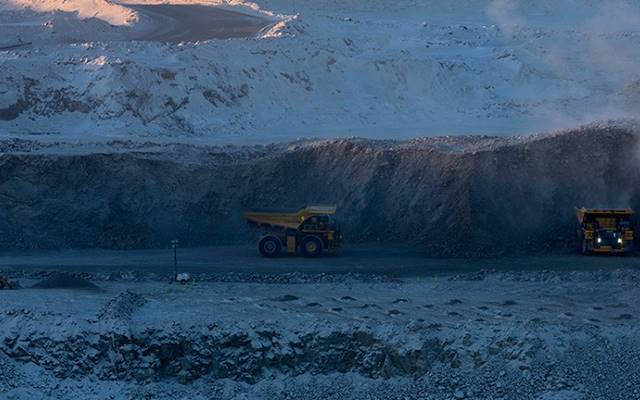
216 353
472 195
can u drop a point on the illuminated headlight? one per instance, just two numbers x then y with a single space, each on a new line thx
620 240
599 240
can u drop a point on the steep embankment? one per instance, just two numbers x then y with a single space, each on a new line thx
486 196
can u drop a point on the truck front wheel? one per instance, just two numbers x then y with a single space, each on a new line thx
311 246
270 246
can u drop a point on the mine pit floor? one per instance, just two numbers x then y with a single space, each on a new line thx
554 327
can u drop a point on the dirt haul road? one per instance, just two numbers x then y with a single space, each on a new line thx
192 22
368 259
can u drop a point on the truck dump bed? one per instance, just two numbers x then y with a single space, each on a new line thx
287 218
603 213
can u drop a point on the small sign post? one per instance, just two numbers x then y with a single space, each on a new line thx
174 246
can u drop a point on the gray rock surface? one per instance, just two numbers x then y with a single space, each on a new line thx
536 335
452 196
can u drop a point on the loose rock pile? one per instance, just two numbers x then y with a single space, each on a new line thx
61 280
250 355
6 284
122 306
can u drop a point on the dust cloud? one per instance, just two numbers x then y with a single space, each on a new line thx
601 42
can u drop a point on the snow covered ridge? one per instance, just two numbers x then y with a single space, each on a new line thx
105 10
336 69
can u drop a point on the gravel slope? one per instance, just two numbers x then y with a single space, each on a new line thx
457 196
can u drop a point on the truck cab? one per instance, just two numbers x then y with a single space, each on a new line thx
609 231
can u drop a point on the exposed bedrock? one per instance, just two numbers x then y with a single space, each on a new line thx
110 350
246 356
491 196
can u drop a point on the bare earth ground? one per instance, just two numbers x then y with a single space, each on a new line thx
373 258
547 327
192 23
165 23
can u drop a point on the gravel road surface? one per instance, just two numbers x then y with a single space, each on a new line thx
393 260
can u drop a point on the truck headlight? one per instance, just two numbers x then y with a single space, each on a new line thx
620 240
599 240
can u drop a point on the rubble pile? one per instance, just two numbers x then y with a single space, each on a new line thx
535 335
122 306
472 361
63 280
6 284
254 354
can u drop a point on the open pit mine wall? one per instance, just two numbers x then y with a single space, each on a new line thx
519 197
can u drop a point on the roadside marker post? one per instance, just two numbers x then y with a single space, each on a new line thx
174 246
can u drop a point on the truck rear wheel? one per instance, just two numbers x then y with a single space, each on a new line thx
270 246
311 246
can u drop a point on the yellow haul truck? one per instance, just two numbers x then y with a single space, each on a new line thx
309 230
605 231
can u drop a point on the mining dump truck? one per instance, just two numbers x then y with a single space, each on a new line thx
605 231
309 230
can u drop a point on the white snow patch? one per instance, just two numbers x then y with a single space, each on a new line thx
327 69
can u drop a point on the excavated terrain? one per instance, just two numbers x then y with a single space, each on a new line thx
389 325
538 335
470 195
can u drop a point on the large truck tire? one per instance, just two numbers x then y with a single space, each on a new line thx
311 246
270 246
